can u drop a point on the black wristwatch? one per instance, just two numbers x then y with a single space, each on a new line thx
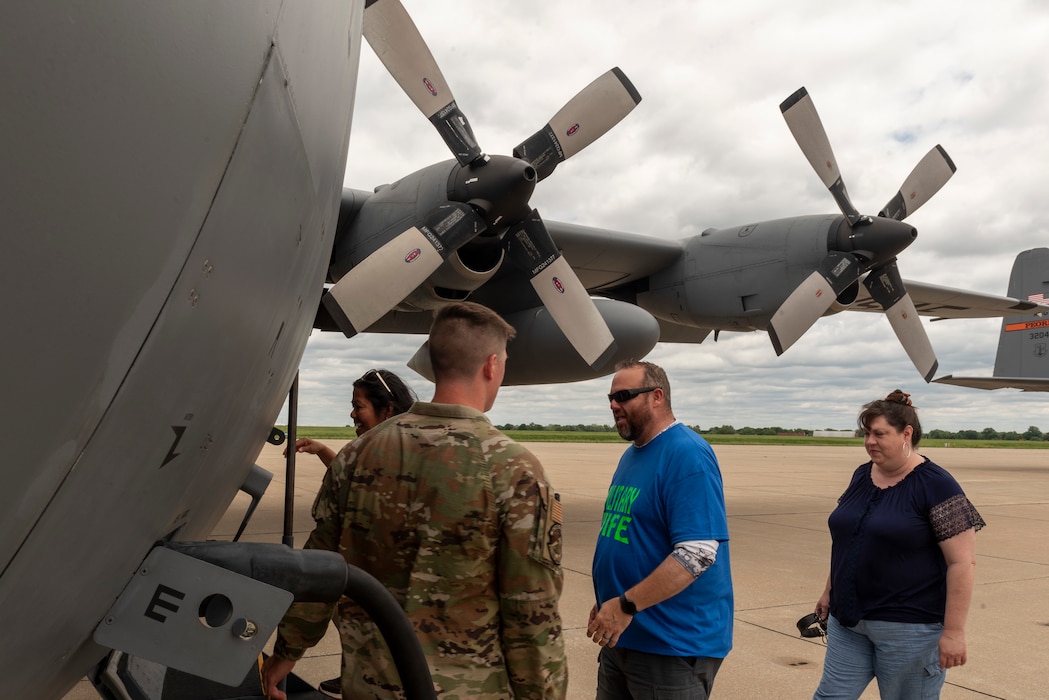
628 606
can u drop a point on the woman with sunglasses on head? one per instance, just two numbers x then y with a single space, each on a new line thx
379 394
903 557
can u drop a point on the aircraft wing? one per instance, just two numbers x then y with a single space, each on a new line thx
945 302
603 258
1021 383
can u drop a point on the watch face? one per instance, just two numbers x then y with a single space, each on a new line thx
628 606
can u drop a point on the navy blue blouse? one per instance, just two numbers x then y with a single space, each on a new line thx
886 563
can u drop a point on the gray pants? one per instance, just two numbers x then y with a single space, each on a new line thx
626 674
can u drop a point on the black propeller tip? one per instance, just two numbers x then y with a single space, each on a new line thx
606 357
947 158
932 371
337 315
777 344
627 85
797 97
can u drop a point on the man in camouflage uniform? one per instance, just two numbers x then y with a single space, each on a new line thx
459 522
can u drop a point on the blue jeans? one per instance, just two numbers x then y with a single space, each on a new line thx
904 657
627 674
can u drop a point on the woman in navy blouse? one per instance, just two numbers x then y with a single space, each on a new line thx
903 556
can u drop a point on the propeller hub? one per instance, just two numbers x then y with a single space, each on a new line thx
875 238
501 187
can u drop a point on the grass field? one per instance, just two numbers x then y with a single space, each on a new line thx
348 433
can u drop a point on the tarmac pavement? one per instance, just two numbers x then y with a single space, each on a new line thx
778 500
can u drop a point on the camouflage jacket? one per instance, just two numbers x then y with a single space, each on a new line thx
459 522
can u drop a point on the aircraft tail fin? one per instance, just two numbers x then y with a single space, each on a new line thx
1022 361
1024 340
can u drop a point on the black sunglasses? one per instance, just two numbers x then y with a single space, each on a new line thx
624 395
812 625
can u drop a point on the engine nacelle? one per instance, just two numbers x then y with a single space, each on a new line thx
735 279
541 354
367 221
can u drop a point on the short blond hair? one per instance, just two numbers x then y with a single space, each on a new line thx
463 336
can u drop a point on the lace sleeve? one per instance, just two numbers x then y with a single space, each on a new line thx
954 516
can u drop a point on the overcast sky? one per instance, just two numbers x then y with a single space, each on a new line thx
708 147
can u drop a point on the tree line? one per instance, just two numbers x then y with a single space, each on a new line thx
1031 434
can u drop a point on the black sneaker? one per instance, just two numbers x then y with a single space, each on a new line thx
332 688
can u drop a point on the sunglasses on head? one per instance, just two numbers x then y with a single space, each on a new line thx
624 395
382 381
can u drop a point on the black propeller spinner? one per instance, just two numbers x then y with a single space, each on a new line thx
863 243
489 195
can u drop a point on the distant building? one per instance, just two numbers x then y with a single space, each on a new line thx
834 433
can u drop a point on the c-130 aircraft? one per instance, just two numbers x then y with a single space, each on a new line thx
156 330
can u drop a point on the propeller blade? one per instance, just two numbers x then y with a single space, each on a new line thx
930 174
399 45
382 280
804 122
886 288
530 247
812 298
585 118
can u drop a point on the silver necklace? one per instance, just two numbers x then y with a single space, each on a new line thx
672 424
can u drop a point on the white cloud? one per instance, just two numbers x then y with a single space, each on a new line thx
707 147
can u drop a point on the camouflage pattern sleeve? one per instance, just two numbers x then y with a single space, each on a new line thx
531 580
303 626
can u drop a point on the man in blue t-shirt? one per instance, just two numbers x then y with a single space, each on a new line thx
662 577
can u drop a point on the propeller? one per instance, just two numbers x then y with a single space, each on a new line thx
530 247
863 244
587 116
488 194
397 42
360 299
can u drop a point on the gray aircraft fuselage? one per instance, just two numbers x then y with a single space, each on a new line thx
171 182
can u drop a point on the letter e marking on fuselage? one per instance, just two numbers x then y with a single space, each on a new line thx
160 600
